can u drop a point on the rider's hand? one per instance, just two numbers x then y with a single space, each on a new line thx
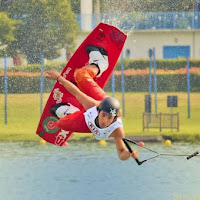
134 154
52 74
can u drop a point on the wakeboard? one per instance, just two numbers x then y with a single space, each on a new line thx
106 36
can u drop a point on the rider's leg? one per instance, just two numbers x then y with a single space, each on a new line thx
84 79
98 63
74 122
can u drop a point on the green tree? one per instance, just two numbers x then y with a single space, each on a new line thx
7 27
4 4
76 6
46 27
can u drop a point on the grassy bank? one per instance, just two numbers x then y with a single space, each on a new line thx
24 114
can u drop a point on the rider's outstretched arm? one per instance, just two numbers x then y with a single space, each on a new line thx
86 101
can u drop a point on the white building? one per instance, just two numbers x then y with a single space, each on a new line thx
172 34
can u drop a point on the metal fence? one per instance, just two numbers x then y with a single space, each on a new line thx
145 21
161 121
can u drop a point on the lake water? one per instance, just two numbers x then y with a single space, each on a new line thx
29 171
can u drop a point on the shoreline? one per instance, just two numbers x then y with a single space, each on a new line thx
182 138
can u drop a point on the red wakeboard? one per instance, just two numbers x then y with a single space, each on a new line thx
106 36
